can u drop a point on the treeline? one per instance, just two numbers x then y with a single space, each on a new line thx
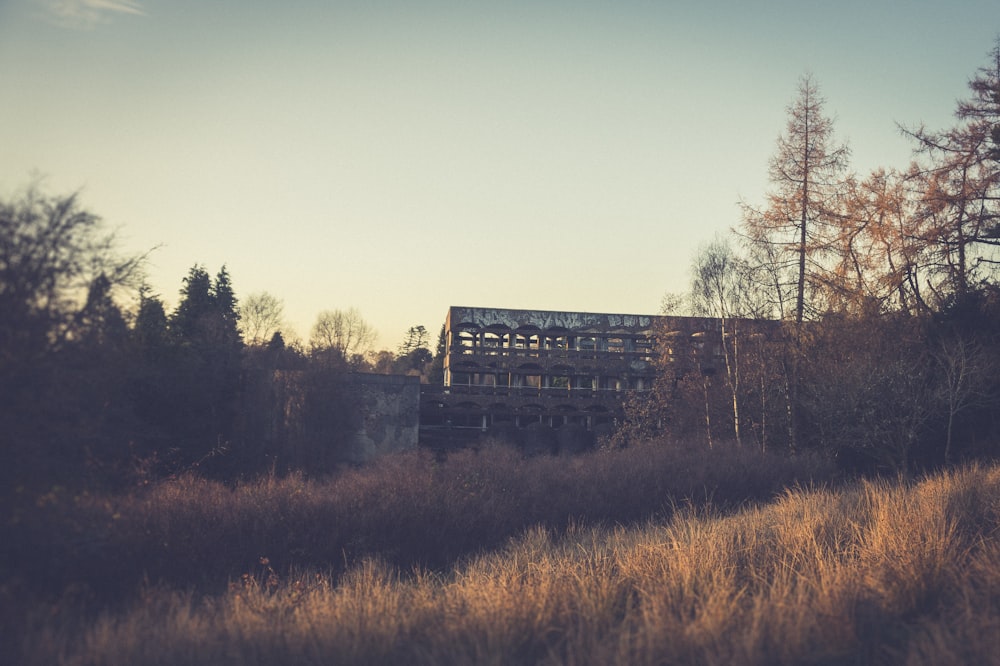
97 395
885 343
883 348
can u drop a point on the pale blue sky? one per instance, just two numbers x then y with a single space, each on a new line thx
401 157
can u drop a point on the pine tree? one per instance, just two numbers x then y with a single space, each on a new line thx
150 330
195 305
226 309
194 400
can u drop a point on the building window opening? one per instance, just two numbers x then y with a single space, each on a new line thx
560 382
491 342
529 342
557 341
466 341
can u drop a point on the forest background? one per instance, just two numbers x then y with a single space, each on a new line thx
884 285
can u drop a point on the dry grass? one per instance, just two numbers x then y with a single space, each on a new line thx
409 510
877 572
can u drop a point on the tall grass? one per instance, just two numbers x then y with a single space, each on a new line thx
877 572
409 510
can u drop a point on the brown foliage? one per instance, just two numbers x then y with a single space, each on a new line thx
877 572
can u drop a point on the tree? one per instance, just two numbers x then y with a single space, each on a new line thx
865 389
879 258
384 362
342 332
152 381
715 292
959 185
324 417
192 392
649 414
793 236
805 172
262 316
965 370
766 280
51 253
416 338
189 320
61 337
435 371
150 329
227 309
100 321
414 354
208 313
276 343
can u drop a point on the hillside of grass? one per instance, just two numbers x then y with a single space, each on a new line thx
74 556
409 510
720 565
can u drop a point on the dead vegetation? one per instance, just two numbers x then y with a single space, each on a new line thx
870 572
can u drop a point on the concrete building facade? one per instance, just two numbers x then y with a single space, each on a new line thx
516 368
389 406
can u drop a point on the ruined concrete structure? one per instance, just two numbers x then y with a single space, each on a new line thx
390 415
515 368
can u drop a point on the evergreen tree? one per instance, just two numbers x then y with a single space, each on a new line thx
277 342
435 372
100 321
150 331
193 389
195 307
413 351
416 338
226 310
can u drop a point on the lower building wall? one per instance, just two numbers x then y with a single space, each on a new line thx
391 415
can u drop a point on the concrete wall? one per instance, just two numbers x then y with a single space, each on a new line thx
518 368
545 319
391 415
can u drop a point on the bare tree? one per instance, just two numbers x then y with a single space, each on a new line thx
715 292
794 231
262 315
966 370
674 304
959 185
806 173
879 257
344 332
52 252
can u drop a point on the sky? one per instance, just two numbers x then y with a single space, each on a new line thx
403 157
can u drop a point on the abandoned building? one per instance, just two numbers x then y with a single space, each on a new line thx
389 415
508 368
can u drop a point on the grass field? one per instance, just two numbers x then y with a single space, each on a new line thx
648 556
